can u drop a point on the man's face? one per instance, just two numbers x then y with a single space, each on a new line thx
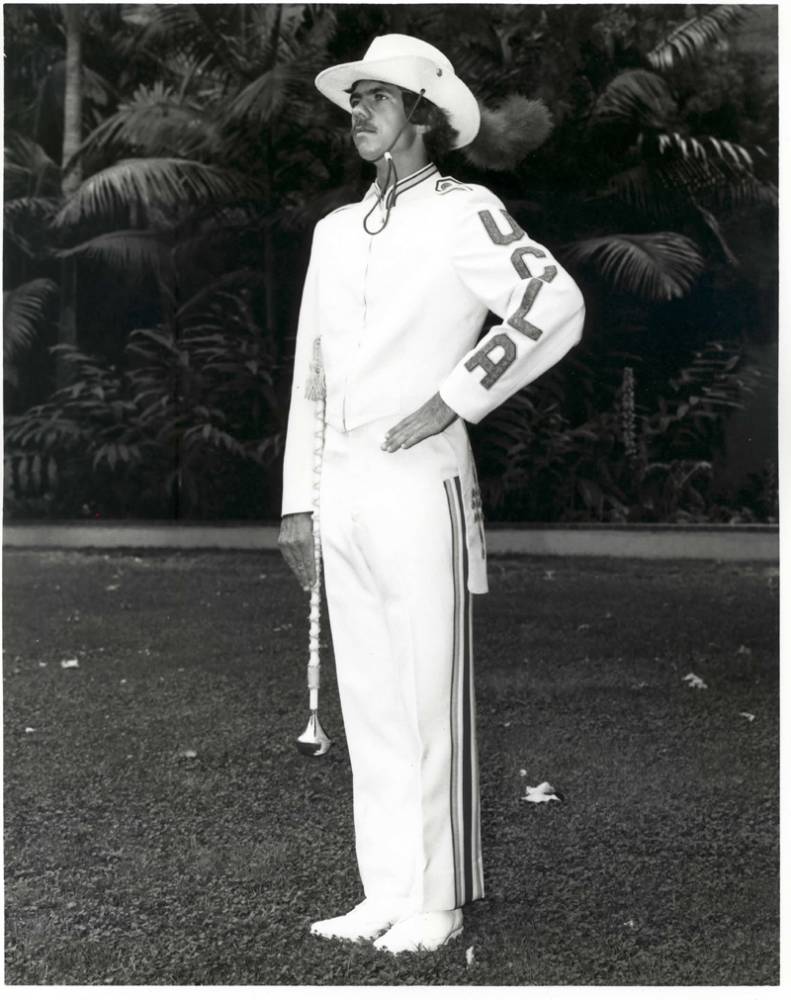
377 115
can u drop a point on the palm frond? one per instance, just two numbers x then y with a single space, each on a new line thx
289 55
25 310
702 148
136 189
279 26
713 226
307 215
265 97
27 222
708 177
135 253
192 30
746 192
636 97
154 123
96 89
28 169
665 185
639 188
655 266
244 276
320 33
691 38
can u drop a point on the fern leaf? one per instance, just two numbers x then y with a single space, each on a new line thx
690 39
655 266
734 156
638 97
25 310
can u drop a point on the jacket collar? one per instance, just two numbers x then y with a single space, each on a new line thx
418 177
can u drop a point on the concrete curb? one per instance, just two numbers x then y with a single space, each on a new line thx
754 543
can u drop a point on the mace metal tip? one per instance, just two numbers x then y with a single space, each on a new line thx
313 742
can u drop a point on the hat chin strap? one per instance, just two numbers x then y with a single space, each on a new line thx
391 167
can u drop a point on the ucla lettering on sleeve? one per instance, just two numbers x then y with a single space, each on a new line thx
541 307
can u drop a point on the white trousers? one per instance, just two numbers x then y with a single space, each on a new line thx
395 557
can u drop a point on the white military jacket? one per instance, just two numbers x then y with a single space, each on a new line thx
399 313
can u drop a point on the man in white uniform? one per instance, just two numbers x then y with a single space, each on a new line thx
397 290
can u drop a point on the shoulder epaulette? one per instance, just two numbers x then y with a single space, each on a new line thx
446 184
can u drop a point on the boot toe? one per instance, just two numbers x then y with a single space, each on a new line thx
421 932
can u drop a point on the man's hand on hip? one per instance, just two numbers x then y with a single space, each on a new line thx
431 418
296 544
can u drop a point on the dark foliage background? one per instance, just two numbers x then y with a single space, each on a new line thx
164 166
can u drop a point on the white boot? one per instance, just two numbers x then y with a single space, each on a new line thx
364 923
422 932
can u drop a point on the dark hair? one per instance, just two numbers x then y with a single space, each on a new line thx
440 136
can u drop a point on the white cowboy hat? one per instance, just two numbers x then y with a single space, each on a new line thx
414 65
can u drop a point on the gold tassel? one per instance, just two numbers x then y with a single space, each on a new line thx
316 386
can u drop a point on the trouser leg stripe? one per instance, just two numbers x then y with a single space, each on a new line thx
467 711
463 765
455 818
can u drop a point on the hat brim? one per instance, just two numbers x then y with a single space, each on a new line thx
412 73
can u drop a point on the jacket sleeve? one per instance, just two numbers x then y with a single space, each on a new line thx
298 458
540 305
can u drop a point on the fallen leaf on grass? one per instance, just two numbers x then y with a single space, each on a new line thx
113 586
694 681
42 663
122 681
541 793
743 651
29 729
549 574
630 923
470 954
747 715
70 664
522 772
582 627
189 754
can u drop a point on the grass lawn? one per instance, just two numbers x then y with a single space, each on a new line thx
161 829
